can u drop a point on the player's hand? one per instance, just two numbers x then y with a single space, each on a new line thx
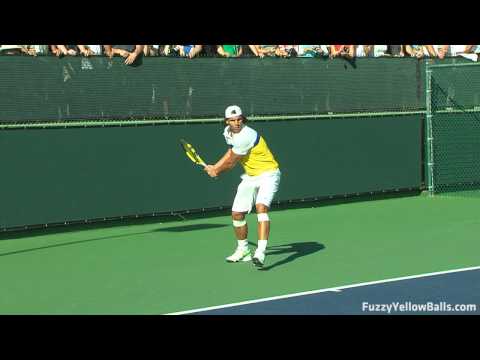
210 169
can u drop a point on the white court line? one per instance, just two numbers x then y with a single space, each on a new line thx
335 289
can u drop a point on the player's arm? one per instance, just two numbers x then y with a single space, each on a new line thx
227 162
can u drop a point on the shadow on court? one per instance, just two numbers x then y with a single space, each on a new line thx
296 250
192 227
105 224
55 245
72 243
173 229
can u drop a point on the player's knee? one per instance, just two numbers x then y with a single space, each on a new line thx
261 208
238 219
238 216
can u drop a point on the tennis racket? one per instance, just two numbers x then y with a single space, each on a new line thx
192 153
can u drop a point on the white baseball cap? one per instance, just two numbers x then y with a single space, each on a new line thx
232 111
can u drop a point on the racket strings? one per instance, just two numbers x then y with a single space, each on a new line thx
191 152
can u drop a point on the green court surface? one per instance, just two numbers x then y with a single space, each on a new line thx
154 267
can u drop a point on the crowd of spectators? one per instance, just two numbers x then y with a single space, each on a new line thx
131 52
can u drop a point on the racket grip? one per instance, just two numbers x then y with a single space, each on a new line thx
204 166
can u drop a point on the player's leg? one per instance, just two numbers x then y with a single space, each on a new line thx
268 188
242 252
240 225
242 205
263 234
263 222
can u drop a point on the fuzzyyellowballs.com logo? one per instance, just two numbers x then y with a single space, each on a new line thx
408 306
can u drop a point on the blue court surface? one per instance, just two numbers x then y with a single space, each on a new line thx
455 292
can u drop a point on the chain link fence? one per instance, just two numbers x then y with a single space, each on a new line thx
453 140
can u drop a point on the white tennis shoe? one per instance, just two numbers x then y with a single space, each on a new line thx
259 258
240 254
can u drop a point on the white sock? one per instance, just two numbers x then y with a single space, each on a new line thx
262 245
242 243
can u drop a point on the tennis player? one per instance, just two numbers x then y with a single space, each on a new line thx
259 182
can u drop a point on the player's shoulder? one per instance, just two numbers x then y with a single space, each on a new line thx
247 131
226 133
247 135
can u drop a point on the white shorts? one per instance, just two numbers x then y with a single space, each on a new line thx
259 189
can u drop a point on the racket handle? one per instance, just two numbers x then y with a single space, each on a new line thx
205 165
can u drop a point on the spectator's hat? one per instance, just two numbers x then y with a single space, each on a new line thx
232 111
